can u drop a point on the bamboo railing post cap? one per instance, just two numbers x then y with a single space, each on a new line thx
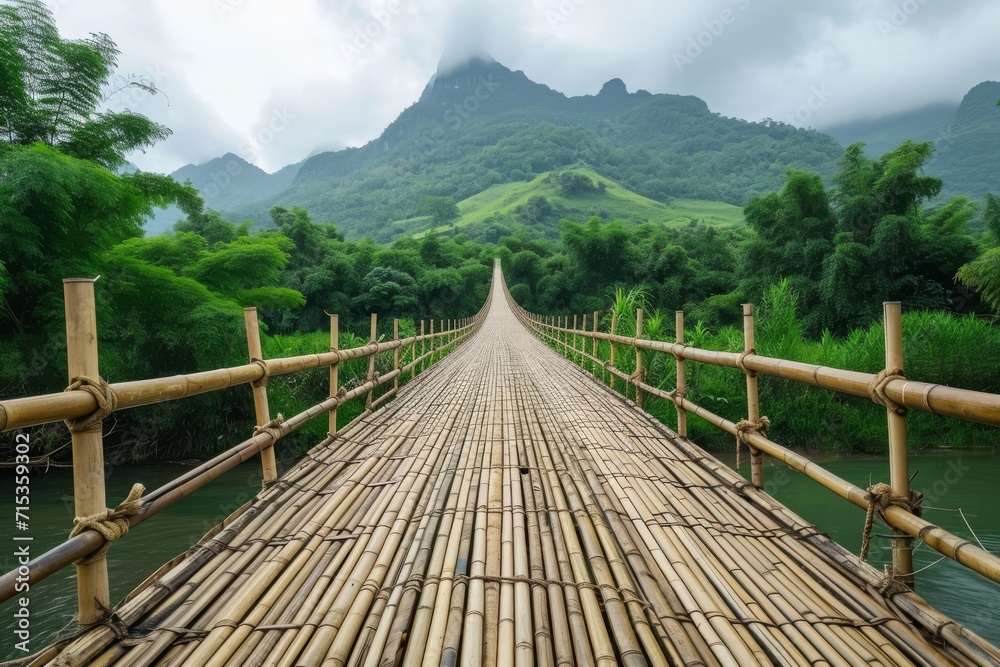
82 280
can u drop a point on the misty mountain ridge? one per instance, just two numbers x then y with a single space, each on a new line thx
480 124
966 139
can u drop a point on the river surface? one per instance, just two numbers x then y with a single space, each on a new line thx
969 481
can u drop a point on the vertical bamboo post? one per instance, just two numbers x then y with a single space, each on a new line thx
88 446
682 417
395 353
371 361
899 472
334 369
593 350
574 357
638 357
260 407
614 332
431 334
753 400
423 347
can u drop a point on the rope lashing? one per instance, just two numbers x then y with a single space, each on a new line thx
741 362
265 372
744 427
272 428
342 392
106 399
877 387
678 355
111 523
880 498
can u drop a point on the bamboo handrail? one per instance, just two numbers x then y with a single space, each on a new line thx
939 399
965 404
46 408
34 410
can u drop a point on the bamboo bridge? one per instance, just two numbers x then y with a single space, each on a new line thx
507 509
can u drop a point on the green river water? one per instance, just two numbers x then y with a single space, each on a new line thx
950 480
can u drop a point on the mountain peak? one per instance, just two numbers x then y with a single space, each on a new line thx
614 88
454 61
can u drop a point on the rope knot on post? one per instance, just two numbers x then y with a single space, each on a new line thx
265 372
877 387
741 362
744 427
106 399
342 392
111 523
880 498
271 428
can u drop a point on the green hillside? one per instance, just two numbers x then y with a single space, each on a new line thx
542 202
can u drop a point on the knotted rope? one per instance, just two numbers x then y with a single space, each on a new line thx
741 362
744 427
112 524
272 428
106 399
265 372
877 387
880 498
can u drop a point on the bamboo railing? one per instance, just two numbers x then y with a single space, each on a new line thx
93 586
901 394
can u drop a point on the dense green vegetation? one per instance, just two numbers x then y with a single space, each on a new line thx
482 125
820 258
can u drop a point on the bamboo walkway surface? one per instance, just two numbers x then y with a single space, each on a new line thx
506 509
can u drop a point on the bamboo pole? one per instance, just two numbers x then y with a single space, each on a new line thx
593 350
395 353
88 446
371 360
682 426
334 371
614 332
583 341
753 400
638 358
261 410
576 340
423 347
432 345
899 474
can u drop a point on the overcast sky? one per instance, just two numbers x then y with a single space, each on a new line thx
333 73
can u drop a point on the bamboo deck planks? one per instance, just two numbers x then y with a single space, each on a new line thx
505 509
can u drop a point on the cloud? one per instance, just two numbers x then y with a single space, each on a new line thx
336 72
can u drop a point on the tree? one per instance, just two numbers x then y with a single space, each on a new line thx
51 90
441 209
388 292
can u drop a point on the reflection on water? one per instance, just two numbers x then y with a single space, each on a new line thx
950 480
132 559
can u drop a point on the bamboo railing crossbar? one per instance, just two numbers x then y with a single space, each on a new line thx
974 406
51 407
